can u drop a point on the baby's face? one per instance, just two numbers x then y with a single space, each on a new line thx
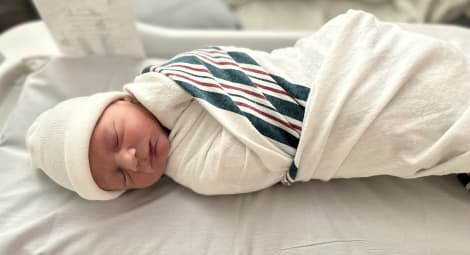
128 147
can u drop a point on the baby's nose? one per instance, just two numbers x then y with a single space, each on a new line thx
127 159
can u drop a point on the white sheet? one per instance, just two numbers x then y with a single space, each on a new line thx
381 215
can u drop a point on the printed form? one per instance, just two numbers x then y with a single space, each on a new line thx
92 27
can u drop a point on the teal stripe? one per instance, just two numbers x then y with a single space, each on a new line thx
293 170
253 101
298 91
274 132
208 76
287 108
217 99
146 69
241 57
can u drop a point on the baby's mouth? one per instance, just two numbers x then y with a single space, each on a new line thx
151 153
155 152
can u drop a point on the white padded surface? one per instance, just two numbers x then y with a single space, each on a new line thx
380 215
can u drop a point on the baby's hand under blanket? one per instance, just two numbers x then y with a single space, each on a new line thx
465 180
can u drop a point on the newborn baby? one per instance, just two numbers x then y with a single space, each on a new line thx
358 98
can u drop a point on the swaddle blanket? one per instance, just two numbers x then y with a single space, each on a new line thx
357 98
386 102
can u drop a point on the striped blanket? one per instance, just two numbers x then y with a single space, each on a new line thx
233 81
357 98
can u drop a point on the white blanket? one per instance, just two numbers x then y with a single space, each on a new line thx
382 101
385 102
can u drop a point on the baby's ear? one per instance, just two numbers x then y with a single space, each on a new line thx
128 99
131 99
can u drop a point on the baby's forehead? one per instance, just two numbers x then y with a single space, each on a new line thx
108 113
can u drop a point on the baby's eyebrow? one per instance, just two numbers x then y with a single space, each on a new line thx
109 137
116 135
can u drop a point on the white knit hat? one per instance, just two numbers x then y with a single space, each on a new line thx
59 139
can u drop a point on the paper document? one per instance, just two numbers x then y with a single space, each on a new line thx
91 27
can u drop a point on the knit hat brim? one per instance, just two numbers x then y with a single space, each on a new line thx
59 142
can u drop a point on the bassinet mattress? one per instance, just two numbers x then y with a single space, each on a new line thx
381 215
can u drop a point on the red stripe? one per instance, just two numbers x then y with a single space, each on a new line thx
217 62
255 71
289 182
249 69
206 71
189 67
287 124
271 89
233 64
242 67
195 81
214 51
214 54
216 86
